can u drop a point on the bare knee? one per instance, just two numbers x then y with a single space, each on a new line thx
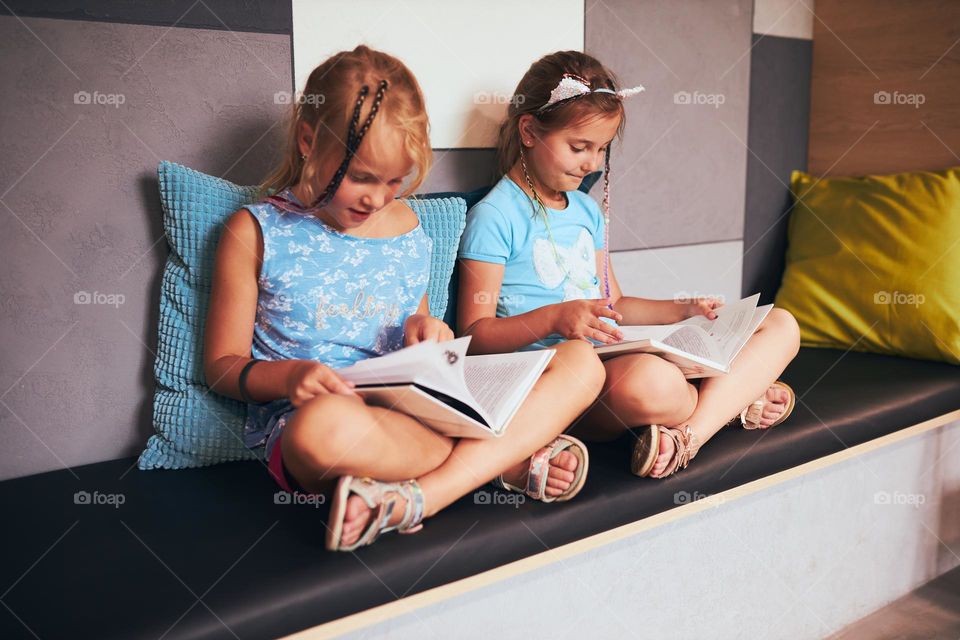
323 431
651 390
785 325
578 360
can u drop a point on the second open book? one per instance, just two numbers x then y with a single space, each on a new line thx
453 393
477 396
699 346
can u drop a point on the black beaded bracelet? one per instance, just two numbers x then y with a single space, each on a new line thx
242 382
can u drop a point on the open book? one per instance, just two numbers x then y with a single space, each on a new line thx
455 394
699 346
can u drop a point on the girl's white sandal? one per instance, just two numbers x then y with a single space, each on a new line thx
381 498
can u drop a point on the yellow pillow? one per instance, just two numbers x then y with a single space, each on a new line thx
873 263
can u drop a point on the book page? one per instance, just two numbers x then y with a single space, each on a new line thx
446 374
638 332
692 366
694 340
397 366
758 315
500 382
438 365
435 365
731 329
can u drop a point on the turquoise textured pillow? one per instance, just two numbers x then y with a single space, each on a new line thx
194 426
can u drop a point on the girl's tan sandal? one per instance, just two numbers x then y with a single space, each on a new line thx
750 417
647 448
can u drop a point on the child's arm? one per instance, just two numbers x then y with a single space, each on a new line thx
477 309
646 311
230 320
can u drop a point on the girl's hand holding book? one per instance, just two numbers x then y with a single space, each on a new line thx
308 379
421 327
580 319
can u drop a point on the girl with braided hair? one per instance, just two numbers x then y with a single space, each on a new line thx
331 268
529 263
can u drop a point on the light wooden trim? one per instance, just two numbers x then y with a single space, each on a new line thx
383 612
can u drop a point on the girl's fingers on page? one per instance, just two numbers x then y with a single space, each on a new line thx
605 338
607 312
609 330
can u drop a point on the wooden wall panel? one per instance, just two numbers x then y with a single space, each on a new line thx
910 51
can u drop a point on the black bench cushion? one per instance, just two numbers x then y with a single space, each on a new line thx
137 570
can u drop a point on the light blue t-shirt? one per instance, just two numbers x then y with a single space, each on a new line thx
330 297
502 229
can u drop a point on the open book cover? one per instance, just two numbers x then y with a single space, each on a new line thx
699 346
455 394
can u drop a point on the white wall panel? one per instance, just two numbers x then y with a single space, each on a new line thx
785 18
467 56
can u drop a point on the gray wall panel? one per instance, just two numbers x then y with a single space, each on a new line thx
460 170
678 177
80 211
266 16
779 124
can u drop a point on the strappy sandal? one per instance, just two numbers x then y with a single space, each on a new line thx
540 467
750 417
381 498
647 448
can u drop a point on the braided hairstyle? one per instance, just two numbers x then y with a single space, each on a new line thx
333 104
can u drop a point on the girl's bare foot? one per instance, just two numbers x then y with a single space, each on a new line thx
559 477
777 399
358 515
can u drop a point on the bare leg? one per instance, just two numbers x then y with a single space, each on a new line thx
762 360
570 383
639 389
335 435
447 468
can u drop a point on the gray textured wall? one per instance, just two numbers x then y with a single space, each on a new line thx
80 212
679 176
